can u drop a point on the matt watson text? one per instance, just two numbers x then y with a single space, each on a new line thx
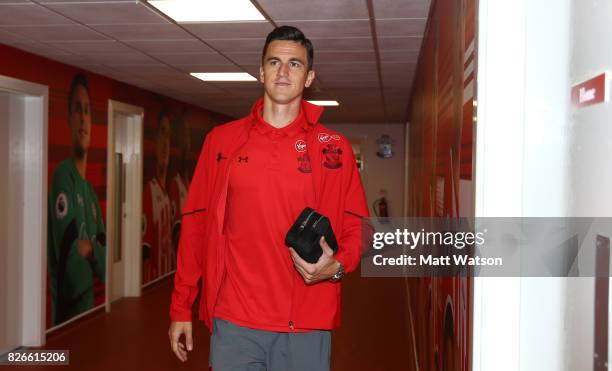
430 260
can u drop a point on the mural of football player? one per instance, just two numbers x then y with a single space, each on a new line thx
180 181
157 215
76 236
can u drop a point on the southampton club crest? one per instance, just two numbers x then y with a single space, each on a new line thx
332 153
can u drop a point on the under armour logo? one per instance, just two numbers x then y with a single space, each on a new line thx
220 157
243 159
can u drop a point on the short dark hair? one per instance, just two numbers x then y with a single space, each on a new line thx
290 33
78 80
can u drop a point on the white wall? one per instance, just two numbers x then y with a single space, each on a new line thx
592 126
380 173
545 177
591 162
522 169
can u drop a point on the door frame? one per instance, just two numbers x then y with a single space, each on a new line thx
132 257
34 240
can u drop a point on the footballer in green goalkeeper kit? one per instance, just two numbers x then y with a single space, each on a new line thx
76 241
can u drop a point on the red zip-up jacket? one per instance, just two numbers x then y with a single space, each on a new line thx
202 246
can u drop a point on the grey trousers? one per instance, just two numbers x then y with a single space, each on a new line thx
236 348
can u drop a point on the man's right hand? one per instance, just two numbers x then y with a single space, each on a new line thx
176 330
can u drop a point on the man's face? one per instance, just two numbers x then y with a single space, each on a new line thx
163 142
284 71
80 121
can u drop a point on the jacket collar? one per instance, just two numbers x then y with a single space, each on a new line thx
310 111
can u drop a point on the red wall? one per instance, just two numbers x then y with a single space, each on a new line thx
441 151
58 77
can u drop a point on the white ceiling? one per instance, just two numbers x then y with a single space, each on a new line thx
370 75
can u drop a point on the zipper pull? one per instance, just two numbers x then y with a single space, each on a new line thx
314 225
303 225
291 326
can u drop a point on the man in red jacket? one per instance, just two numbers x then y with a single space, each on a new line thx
267 308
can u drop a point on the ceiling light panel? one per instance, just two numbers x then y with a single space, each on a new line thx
223 76
324 102
183 11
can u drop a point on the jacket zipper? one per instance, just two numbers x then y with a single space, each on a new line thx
291 323
302 226
310 142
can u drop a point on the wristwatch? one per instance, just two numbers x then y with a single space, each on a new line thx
339 274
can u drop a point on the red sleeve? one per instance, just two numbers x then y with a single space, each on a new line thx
354 226
190 251
350 244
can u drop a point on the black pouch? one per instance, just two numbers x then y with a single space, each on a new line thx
305 233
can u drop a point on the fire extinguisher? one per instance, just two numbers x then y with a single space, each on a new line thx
381 209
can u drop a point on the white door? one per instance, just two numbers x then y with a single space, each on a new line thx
23 181
122 155
125 198
10 317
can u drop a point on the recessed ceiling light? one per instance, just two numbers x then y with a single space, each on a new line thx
324 102
209 10
223 76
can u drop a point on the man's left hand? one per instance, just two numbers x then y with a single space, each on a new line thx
322 270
